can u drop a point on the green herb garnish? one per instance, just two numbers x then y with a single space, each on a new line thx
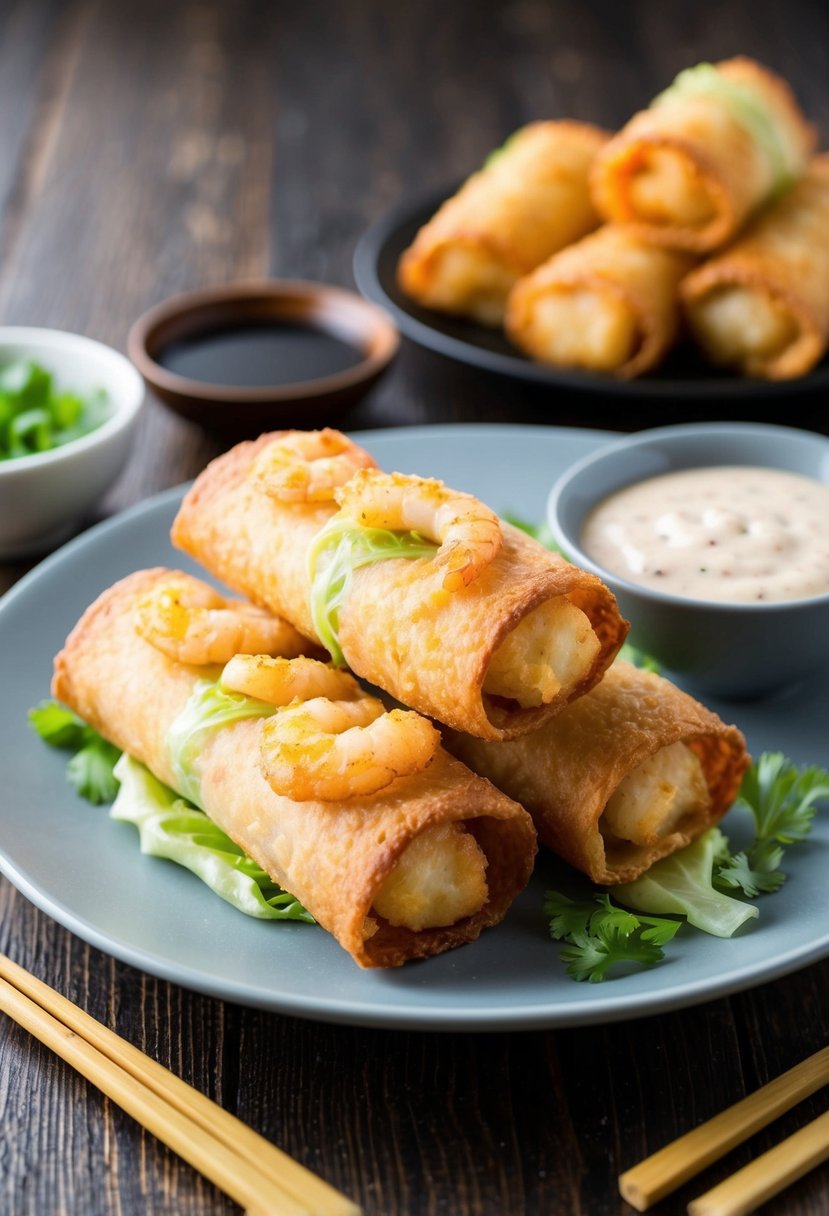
90 770
600 935
36 417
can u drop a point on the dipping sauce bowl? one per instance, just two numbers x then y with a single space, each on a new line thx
248 357
729 649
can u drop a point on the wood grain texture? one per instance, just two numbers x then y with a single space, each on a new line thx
147 149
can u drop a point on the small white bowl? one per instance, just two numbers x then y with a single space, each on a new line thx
727 649
43 496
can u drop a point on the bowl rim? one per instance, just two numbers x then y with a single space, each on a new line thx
642 439
376 323
123 411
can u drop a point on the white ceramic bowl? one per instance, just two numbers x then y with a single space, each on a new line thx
728 649
43 496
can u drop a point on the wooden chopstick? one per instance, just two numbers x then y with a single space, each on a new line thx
237 1159
644 1184
768 1175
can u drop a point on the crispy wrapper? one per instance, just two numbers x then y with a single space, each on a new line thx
606 304
762 305
565 773
430 650
688 171
333 856
529 200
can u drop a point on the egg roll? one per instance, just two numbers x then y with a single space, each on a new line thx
606 304
721 141
418 867
494 659
762 305
530 199
631 772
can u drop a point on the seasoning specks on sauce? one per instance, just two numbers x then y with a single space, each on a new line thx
729 533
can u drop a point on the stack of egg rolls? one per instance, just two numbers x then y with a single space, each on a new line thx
530 199
687 172
629 773
399 849
468 658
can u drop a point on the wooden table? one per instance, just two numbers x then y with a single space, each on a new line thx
147 149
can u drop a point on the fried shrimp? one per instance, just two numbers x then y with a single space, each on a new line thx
307 466
191 623
328 750
468 532
279 681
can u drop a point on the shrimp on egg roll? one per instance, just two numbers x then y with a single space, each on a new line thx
606 304
393 846
419 589
762 305
631 772
721 141
530 199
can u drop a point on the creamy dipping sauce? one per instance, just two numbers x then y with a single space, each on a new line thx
729 533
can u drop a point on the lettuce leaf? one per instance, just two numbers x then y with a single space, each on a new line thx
683 883
342 547
209 707
169 827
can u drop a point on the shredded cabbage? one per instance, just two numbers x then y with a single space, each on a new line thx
169 827
683 883
208 707
705 81
341 548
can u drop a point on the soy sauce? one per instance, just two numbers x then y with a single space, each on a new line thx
259 356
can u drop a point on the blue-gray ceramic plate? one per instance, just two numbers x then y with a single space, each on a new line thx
86 871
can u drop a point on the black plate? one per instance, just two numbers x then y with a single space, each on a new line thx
682 374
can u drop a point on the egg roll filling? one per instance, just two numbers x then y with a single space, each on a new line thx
665 187
439 878
468 279
583 325
738 325
652 800
554 646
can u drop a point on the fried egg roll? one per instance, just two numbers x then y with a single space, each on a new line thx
530 199
418 867
723 140
494 658
762 305
631 772
605 304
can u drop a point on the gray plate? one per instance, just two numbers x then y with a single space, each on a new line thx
86 871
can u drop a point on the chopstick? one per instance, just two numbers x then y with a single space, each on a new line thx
644 1184
243 1164
769 1174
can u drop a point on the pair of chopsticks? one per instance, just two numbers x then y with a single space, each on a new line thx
243 1164
658 1175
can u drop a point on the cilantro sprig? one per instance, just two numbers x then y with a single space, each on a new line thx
598 935
90 769
782 800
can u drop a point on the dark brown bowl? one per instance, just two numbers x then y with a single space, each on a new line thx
281 310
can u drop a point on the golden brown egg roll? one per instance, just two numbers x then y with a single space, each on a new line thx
687 172
397 849
631 772
606 304
494 659
530 199
762 305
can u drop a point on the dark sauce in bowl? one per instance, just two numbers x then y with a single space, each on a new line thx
257 356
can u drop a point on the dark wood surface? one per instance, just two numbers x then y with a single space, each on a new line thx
147 149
